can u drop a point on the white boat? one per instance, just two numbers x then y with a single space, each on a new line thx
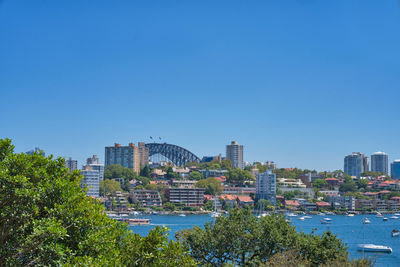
366 221
384 219
326 221
215 214
396 214
379 215
350 215
307 217
394 217
395 233
291 214
302 218
182 214
321 213
374 248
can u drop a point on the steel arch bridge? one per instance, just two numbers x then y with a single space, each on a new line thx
178 155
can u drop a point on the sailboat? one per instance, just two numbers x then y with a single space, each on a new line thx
215 213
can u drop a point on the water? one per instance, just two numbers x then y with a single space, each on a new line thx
350 229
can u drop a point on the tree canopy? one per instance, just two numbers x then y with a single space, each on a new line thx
212 185
238 176
195 175
111 186
47 219
242 239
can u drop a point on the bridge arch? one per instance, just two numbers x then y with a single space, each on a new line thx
178 155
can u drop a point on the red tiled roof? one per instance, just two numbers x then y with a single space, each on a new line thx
331 179
280 197
395 198
323 204
245 199
229 197
208 197
292 203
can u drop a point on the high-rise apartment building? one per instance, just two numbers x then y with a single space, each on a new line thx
266 186
355 164
91 179
94 164
93 160
395 169
130 156
234 152
143 154
37 150
380 162
71 164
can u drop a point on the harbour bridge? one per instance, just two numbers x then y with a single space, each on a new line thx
178 155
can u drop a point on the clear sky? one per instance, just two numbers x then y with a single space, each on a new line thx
302 83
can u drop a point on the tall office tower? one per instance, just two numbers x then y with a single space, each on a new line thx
91 179
143 154
126 156
355 164
380 162
234 152
395 169
94 164
71 164
266 186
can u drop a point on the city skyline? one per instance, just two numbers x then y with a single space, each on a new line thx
301 84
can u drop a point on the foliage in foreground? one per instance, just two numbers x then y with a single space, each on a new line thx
46 219
242 239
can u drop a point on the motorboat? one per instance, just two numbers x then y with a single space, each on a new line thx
291 214
396 214
307 217
326 221
182 215
350 215
302 218
321 214
385 219
374 248
395 233
215 214
366 221
394 217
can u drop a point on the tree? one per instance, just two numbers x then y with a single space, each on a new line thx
320 183
362 183
348 186
242 239
145 171
238 177
195 175
111 186
47 219
171 174
115 171
212 185
226 164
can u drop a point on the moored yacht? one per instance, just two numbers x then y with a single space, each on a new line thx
374 248
366 221
395 233
326 221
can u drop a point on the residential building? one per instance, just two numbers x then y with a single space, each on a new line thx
239 190
143 154
71 164
36 150
245 201
183 183
213 173
308 178
91 180
292 204
355 164
94 164
323 205
306 192
147 198
346 202
380 162
285 182
126 156
395 169
266 186
234 152
187 196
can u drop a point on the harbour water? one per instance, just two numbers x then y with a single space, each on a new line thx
350 229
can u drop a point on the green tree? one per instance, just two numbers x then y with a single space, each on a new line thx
239 177
348 186
111 186
170 174
47 220
242 239
145 171
226 164
115 171
212 185
195 175
362 183
320 183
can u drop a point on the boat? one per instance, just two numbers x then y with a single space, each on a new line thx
374 248
396 214
291 214
182 215
321 214
385 219
307 217
326 221
395 233
302 218
379 215
215 213
394 217
366 221
138 221
350 215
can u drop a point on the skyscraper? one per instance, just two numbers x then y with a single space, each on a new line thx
379 162
395 169
94 164
234 152
355 164
91 179
71 164
266 186
130 156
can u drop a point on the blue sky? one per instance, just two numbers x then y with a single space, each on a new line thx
302 83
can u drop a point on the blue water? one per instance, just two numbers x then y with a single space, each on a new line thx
349 229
